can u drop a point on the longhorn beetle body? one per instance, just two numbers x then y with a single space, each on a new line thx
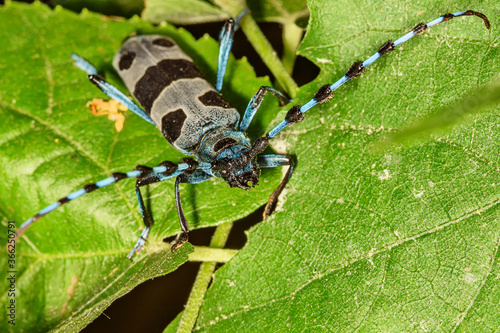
197 121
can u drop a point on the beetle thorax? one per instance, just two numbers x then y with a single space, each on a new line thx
228 152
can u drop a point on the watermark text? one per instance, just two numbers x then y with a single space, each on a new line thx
11 273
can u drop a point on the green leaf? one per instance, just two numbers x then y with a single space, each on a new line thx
72 263
182 12
398 241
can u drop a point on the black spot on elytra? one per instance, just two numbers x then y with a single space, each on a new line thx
156 78
163 42
223 144
212 98
126 60
171 124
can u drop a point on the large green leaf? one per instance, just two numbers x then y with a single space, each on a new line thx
51 145
397 241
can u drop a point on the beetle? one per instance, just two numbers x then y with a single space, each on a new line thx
195 119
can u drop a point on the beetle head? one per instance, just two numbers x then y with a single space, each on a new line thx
237 167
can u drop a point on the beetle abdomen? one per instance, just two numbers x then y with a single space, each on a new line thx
183 105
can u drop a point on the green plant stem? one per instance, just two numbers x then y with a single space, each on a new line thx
292 35
261 45
203 253
268 55
203 278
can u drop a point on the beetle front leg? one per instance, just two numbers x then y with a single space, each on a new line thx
195 177
226 43
108 88
255 102
272 161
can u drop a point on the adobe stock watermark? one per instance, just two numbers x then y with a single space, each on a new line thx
483 97
11 273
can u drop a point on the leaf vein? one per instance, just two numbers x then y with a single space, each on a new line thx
483 282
